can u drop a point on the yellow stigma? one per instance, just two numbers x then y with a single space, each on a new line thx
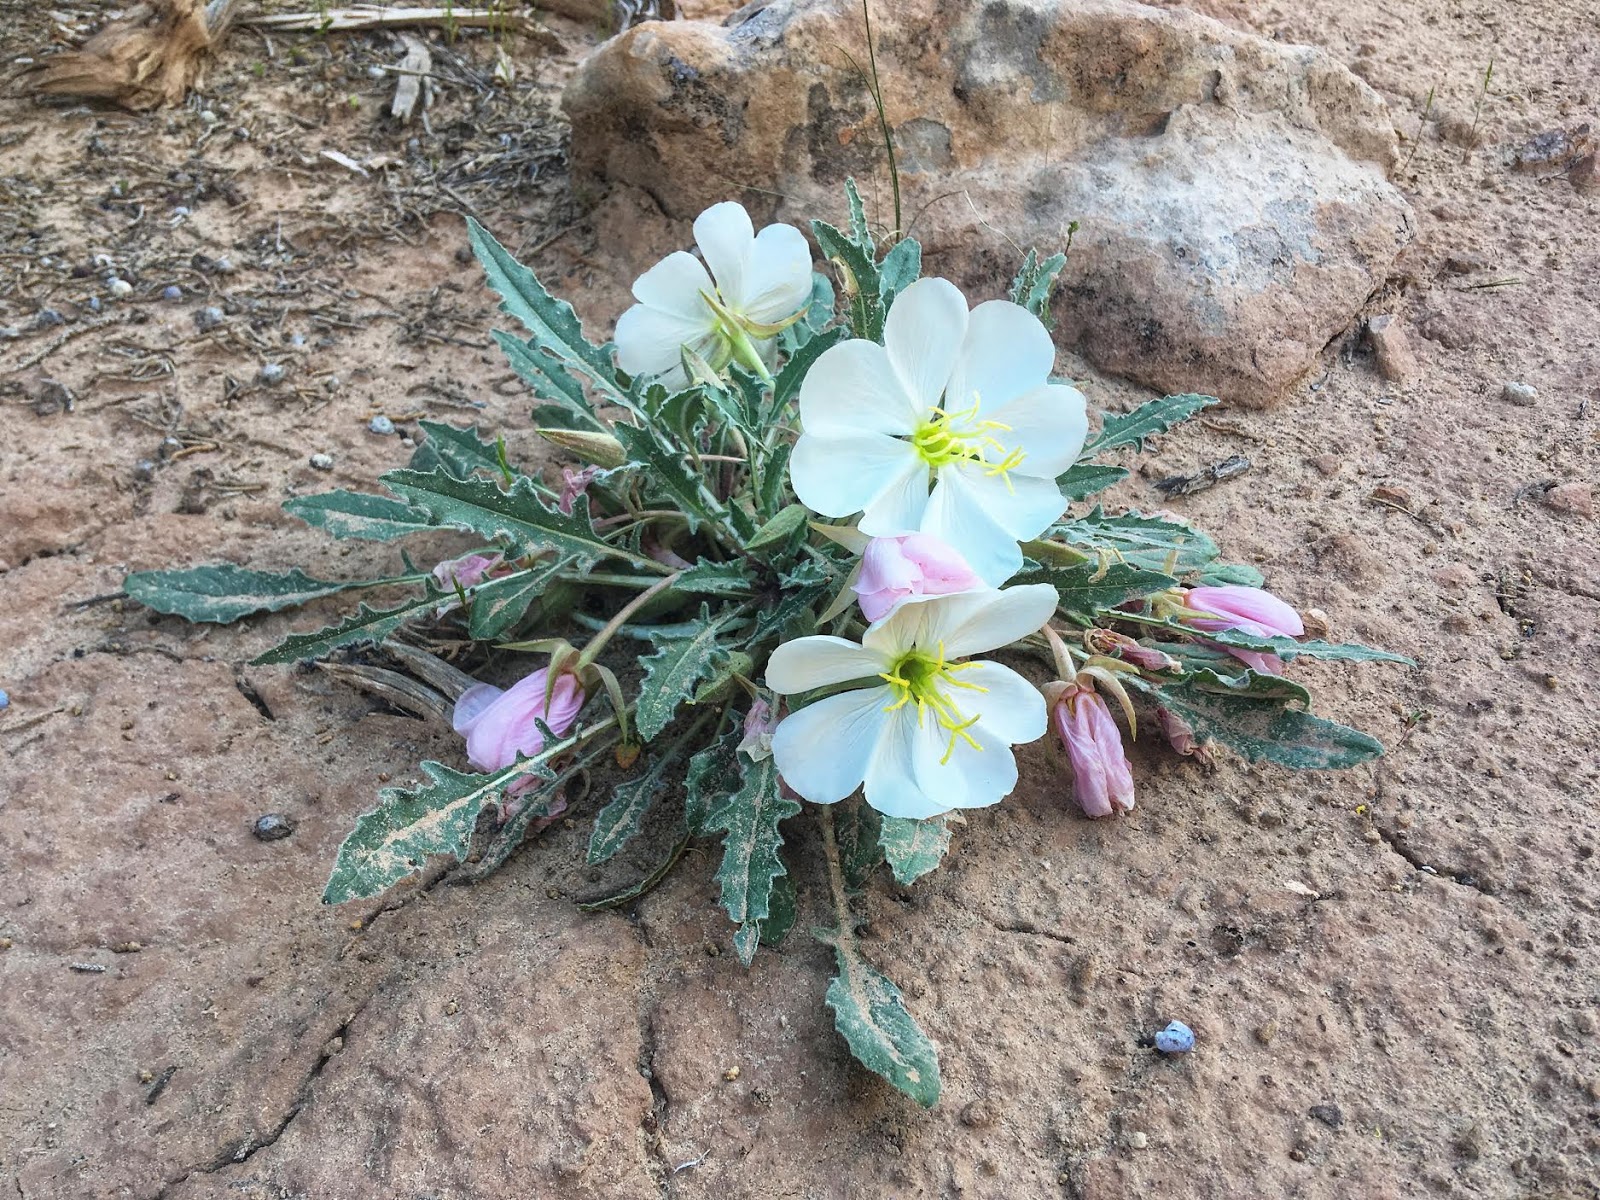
920 678
946 437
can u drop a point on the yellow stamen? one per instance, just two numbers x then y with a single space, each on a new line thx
922 679
946 438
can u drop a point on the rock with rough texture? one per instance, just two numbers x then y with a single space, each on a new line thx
1229 193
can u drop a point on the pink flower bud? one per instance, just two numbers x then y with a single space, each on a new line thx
499 725
468 571
1249 610
1102 780
913 566
1119 645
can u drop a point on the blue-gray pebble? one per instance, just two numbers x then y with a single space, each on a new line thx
5 700
1176 1038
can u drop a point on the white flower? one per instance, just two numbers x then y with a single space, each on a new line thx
956 400
762 283
924 732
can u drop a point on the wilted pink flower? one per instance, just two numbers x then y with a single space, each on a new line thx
1102 780
573 485
1119 645
500 725
1249 610
759 723
469 571
913 566
1180 735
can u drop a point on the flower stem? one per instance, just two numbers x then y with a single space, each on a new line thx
846 936
598 642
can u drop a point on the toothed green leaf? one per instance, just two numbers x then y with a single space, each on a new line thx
913 848
461 452
1148 542
366 625
359 515
1035 281
221 593
497 605
750 816
1082 592
1149 419
1087 479
1265 729
871 1015
673 672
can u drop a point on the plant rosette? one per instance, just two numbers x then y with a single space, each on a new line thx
828 553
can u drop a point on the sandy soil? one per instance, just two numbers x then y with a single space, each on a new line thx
1391 971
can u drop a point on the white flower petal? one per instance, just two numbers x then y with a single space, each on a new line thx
1023 505
724 234
852 388
891 783
807 663
1010 708
959 776
826 749
972 622
1049 424
1007 351
923 334
838 476
650 341
777 276
899 507
956 516
674 285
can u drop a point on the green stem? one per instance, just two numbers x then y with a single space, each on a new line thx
845 936
883 119
598 642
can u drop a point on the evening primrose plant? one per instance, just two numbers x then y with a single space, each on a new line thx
825 550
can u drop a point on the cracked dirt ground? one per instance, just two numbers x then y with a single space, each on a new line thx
1391 972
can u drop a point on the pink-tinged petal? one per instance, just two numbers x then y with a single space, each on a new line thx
724 234
912 566
1102 779
923 335
509 725
957 517
1006 353
468 570
472 704
1235 605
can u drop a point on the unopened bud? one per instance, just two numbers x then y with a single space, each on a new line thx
601 449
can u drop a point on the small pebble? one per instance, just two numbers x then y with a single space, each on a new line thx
333 383
94 304
9 333
89 968
273 827
144 470
47 318
380 425
172 292
322 462
1330 1115
241 134
1519 393
5 700
271 373
181 210
375 72
731 1074
222 265
208 318
298 339
1176 1038
1138 1139
119 287
209 117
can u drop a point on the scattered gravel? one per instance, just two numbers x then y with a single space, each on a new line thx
1176 1038
5 700
172 292
380 425
119 287
322 462
1521 394
208 318
271 374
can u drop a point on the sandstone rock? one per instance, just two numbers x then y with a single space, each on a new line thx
1573 499
1229 192
1391 348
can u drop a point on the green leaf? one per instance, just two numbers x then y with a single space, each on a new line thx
670 475
1253 684
365 625
713 773
460 452
1150 542
671 674
410 824
707 578
913 848
774 475
750 817
1225 574
871 1015
1086 479
359 515
566 404
553 325
1034 283
496 606
899 270
780 528
783 906
1288 649
619 820
800 592
1150 418
222 592
1082 592
1265 730
517 515
862 286
860 233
